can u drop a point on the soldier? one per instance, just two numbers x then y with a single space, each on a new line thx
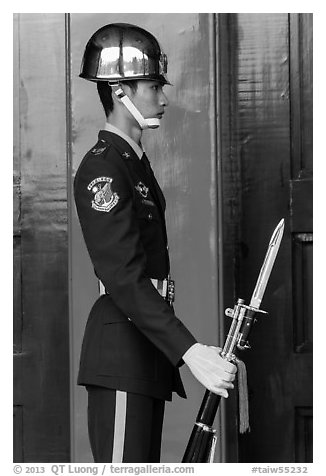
133 343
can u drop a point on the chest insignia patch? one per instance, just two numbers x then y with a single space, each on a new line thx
126 155
142 189
104 199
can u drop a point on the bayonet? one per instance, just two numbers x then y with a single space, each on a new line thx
267 266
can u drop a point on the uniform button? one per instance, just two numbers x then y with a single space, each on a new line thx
150 216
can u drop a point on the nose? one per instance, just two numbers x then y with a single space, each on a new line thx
164 100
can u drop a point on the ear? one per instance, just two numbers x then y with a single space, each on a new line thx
126 89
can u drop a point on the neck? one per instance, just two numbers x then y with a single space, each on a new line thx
126 125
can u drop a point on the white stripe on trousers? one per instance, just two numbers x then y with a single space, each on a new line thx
119 426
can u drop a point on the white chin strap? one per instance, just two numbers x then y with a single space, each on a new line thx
151 123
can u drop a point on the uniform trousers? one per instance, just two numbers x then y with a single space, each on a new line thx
124 427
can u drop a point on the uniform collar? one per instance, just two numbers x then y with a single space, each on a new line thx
137 149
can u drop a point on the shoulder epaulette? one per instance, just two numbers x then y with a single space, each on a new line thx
100 147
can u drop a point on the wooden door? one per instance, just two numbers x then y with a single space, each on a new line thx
267 175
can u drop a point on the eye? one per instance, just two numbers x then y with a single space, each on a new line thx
156 87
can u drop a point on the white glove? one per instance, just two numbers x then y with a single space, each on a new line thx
206 364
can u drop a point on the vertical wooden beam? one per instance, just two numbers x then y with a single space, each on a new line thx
229 200
71 205
18 453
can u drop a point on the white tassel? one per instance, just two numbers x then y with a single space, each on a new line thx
243 397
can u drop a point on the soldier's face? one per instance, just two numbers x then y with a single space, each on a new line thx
149 99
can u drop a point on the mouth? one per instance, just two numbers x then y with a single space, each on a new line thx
160 115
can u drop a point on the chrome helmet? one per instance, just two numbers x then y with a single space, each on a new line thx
120 52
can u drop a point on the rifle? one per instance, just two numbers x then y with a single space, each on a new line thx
202 442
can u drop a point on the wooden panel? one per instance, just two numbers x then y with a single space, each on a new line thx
303 435
301 205
261 147
17 305
41 367
263 132
301 77
18 454
302 291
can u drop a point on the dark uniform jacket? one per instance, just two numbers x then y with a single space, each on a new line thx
133 341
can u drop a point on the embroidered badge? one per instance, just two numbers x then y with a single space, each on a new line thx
142 189
104 198
126 155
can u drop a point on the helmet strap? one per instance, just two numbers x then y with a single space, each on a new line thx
151 123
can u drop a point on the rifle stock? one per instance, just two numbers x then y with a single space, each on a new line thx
201 444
